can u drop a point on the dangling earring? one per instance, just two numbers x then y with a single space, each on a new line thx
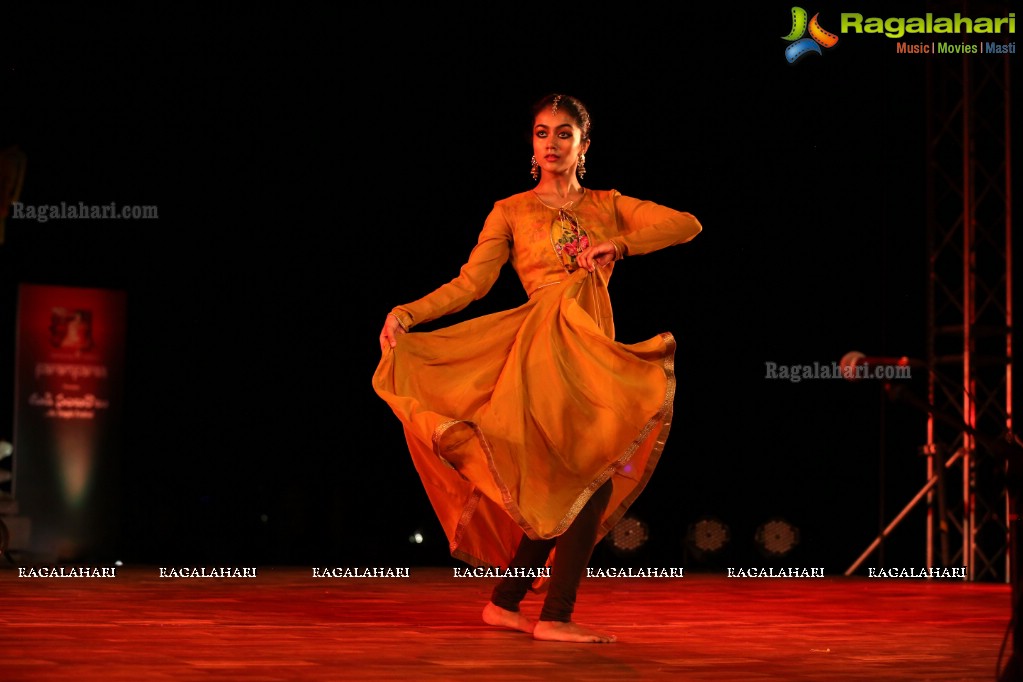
580 169
535 170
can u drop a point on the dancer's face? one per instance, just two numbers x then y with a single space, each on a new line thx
557 141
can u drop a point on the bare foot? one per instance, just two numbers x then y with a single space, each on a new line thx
495 615
555 631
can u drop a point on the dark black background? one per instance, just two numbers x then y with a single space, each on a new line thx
314 166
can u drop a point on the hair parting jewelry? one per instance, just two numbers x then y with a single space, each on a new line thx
554 104
535 169
580 169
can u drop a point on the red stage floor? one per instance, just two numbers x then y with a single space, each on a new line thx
287 625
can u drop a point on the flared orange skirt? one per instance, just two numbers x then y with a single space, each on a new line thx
516 418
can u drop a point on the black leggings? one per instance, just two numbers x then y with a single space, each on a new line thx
574 548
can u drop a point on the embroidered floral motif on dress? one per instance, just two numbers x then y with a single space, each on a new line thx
569 239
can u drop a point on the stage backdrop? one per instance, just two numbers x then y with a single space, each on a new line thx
68 379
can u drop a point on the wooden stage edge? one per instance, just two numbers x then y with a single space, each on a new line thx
287 624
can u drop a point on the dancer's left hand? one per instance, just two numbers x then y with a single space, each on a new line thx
596 256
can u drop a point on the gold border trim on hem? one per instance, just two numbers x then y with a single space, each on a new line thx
665 415
470 508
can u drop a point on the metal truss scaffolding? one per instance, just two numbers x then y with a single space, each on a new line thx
969 320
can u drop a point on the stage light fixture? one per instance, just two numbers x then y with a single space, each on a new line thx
628 535
708 536
6 474
777 537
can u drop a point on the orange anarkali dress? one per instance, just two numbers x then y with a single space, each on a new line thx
514 419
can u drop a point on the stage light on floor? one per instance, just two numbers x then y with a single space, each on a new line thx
628 535
416 538
707 536
6 473
777 537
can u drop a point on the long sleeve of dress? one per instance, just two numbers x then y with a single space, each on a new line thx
474 280
646 227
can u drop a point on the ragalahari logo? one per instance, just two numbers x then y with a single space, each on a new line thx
800 45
